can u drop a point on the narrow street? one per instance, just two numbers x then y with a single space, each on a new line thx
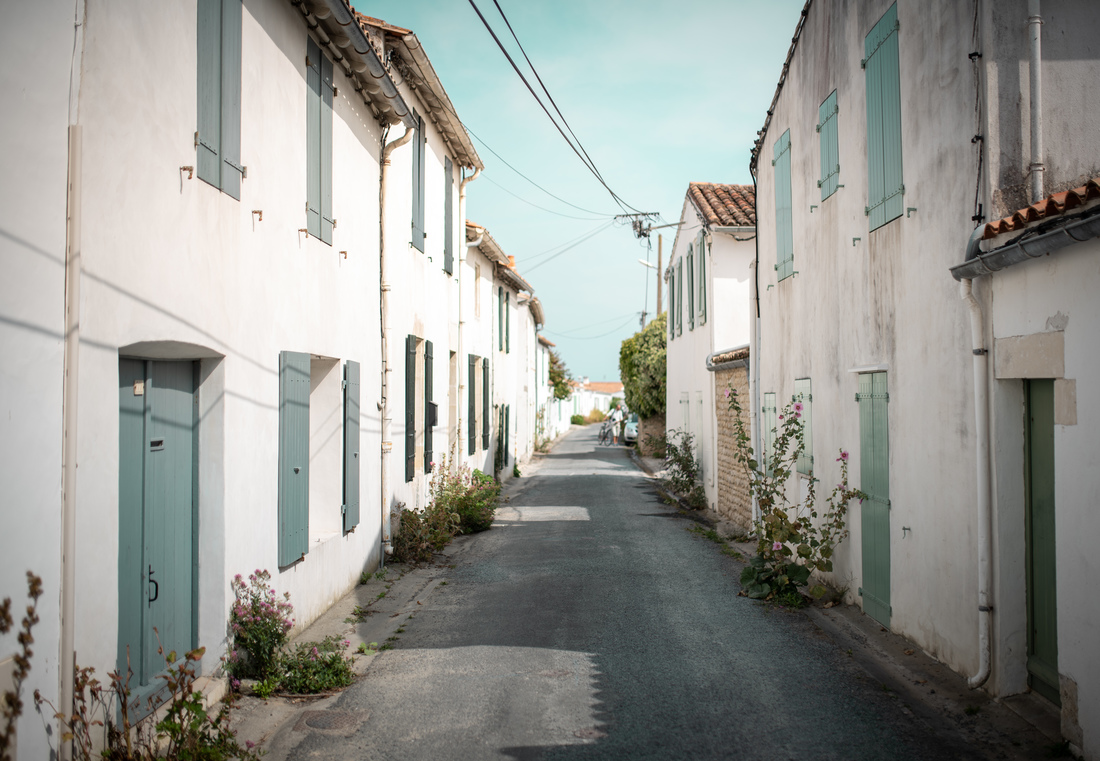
590 623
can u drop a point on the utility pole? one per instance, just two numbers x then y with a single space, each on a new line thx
659 242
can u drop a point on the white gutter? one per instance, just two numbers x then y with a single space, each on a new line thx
463 370
734 229
1035 71
985 507
754 384
383 304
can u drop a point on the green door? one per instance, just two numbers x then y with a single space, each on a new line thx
874 478
1042 608
156 528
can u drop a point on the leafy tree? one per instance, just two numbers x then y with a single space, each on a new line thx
642 369
559 377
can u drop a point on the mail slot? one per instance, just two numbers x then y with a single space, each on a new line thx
156 444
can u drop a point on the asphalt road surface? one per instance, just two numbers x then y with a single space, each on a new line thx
589 623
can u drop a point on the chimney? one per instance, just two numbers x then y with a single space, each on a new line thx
511 262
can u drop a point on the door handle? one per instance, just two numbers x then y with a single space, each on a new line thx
156 587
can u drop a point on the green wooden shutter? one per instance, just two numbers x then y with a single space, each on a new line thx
208 161
351 445
231 169
701 252
410 407
429 416
507 431
485 404
784 209
325 159
802 395
671 303
680 297
448 216
313 138
131 539
885 189
500 318
293 457
769 411
418 183
471 412
874 470
830 150
507 322
691 286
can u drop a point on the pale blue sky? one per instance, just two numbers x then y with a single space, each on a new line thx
660 94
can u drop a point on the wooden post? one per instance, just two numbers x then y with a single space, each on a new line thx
660 280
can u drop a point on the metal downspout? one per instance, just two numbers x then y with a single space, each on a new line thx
1035 72
985 517
383 305
461 317
754 350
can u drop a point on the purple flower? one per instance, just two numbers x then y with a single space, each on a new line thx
777 546
727 393
843 455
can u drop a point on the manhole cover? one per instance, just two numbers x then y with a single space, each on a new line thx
337 720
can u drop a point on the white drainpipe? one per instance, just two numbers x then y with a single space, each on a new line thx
1035 70
754 383
461 316
383 290
985 507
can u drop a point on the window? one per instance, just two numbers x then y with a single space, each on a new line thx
691 286
218 137
885 190
830 150
769 422
802 395
680 297
448 216
318 451
319 92
419 407
671 302
784 210
701 254
418 183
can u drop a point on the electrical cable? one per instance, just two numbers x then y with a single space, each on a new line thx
593 324
601 335
564 250
562 246
591 167
541 208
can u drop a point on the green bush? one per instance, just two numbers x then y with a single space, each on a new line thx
313 667
578 420
421 534
595 416
472 496
682 469
260 622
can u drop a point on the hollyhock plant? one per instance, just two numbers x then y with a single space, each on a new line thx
259 621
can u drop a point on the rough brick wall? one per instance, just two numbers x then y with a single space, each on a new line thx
734 500
650 426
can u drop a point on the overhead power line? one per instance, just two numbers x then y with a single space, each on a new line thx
543 208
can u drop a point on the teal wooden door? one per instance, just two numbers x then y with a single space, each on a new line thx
874 477
157 517
1042 608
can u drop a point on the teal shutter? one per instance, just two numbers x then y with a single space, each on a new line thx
448 216
208 160
293 457
325 161
680 297
507 431
471 411
485 404
351 445
410 407
500 318
313 138
701 252
830 148
231 169
885 190
429 407
507 322
805 463
418 183
671 302
769 411
131 540
784 209
874 473
691 286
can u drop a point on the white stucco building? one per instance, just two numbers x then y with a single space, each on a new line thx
709 291
896 130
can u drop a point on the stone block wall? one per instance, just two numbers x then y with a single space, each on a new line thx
734 499
649 426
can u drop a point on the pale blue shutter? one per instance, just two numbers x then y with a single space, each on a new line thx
410 407
802 395
429 407
885 190
830 151
351 445
691 286
313 138
208 160
325 160
507 431
500 318
471 411
508 322
784 209
671 303
701 253
418 183
293 457
448 216
485 404
231 169
874 469
680 297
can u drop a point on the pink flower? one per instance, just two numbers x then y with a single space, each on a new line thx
727 393
780 417
798 406
843 455
798 414
776 547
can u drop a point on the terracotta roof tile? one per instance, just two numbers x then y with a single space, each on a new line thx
724 205
1051 206
605 387
731 356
